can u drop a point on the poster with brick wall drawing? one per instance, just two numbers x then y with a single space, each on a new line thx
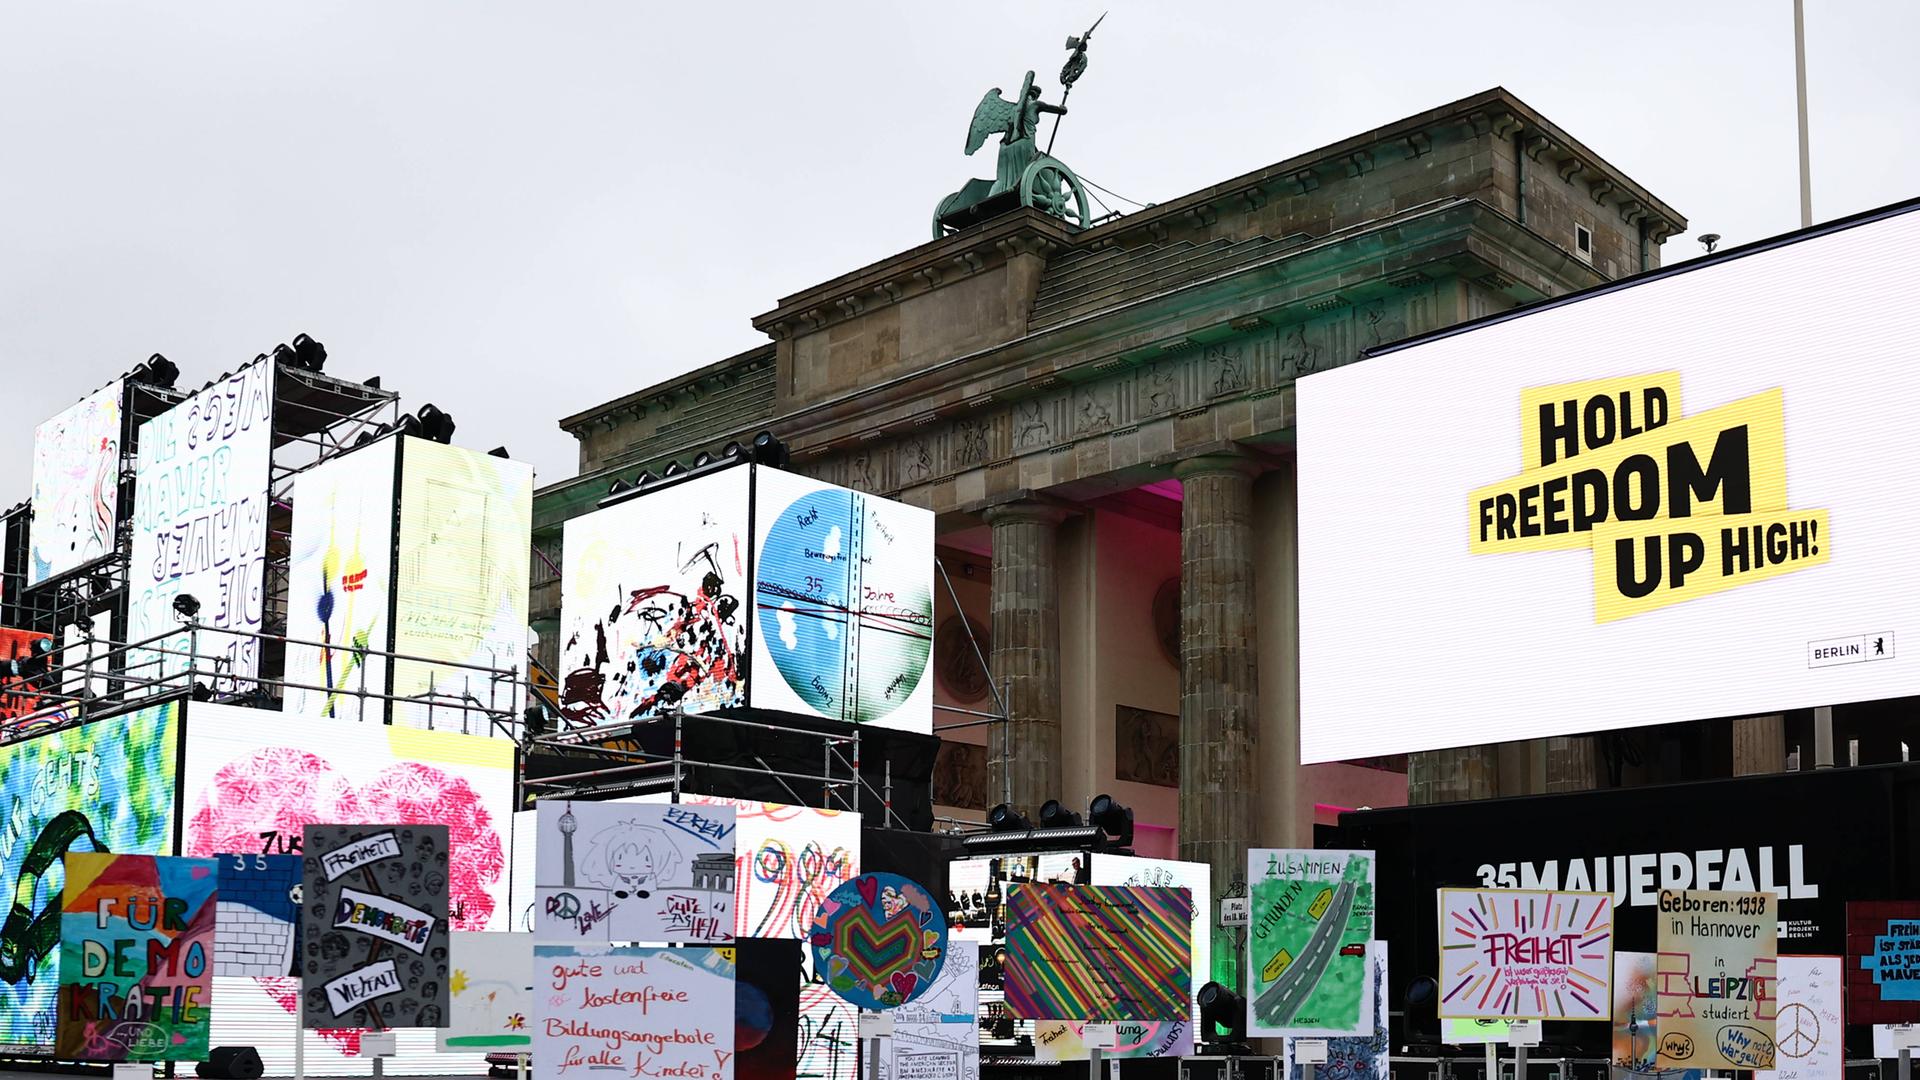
259 910
374 926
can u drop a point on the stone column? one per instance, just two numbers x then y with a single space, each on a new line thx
1573 763
1454 775
1760 745
1026 652
1219 691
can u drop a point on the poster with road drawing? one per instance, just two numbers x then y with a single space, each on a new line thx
374 926
1525 954
1309 924
633 872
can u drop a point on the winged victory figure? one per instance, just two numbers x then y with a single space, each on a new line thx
1016 122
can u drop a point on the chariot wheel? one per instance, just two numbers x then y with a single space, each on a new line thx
1050 186
940 211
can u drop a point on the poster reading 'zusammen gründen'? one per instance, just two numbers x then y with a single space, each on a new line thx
1307 934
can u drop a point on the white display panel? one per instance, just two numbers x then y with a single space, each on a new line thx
340 585
460 581
76 485
1460 582
652 605
200 525
252 779
843 596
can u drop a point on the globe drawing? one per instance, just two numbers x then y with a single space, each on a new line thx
844 605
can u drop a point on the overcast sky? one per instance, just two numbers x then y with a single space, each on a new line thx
516 211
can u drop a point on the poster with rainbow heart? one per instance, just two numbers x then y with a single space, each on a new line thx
879 940
1099 952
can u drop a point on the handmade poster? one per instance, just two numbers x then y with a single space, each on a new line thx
200 527
1356 1057
1636 1020
937 1035
1809 1035
1099 952
1309 924
374 926
1066 1040
633 1011
340 585
651 614
1525 954
490 994
879 941
460 581
1716 994
76 485
787 859
1197 879
843 603
766 1003
103 786
259 912
633 872
136 957
1883 962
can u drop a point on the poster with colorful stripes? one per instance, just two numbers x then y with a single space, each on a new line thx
1099 952
1525 954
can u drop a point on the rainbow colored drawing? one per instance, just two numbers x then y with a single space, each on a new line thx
880 940
1525 954
1099 952
136 957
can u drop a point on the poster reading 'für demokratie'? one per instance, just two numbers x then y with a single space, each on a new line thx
1717 991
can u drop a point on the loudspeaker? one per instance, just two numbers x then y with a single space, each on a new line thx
231 1063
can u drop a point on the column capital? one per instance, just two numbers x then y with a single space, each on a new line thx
1041 510
1217 465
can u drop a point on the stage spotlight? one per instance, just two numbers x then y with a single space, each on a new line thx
733 450
436 424
1420 991
309 353
1221 1008
702 459
674 468
499 452
186 606
157 371
1112 818
1005 818
408 424
768 450
618 486
1053 815
365 438
202 692
372 384
284 355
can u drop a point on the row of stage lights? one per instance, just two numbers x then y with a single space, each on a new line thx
765 449
1107 824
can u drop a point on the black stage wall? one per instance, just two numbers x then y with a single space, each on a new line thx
1817 839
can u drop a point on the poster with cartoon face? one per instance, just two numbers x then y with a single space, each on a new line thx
633 872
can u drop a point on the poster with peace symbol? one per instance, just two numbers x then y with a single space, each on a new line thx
879 940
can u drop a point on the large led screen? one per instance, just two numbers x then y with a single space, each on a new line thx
340 585
76 485
104 786
843 596
652 612
200 525
1680 498
466 535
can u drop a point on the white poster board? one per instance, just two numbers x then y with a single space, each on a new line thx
633 872
1520 954
490 1006
1809 1036
76 485
633 1011
937 1035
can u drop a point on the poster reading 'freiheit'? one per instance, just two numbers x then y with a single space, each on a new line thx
1525 954
1307 935
1717 992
